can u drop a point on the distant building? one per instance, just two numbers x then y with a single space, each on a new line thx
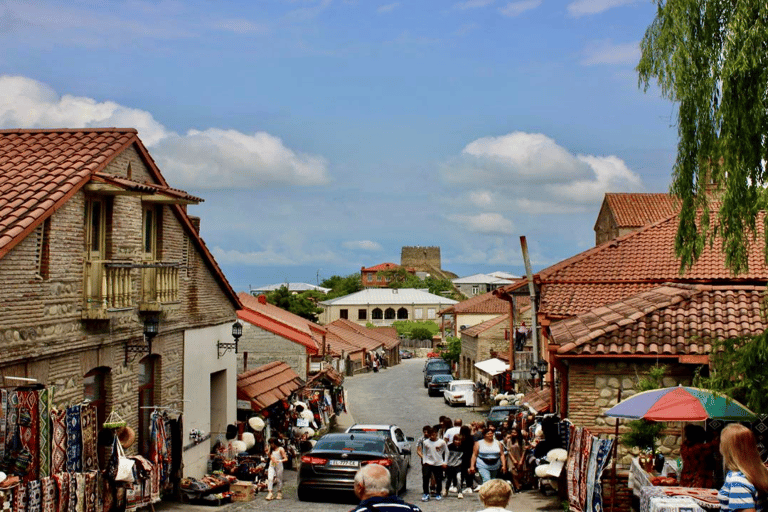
383 306
478 284
621 214
292 287
372 277
425 261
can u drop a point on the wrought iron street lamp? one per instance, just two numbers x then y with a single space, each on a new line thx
237 331
151 328
539 369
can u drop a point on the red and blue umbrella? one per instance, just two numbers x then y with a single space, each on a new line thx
681 403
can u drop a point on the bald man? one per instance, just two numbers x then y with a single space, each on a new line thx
373 485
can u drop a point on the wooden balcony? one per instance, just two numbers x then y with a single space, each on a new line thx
109 287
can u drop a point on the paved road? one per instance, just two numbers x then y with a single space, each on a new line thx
394 395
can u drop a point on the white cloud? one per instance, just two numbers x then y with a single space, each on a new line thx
362 245
481 198
271 256
605 52
484 223
472 4
388 7
211 158
585 7
513 9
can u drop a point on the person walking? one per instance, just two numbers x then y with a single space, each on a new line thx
277 457
435 458
455 454
487 456
746 484
373 484
467 447
514 448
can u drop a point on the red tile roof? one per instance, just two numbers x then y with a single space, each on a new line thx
538 399
388 340
280 315
352 337
268 324
42 169
339 346
487 303
478 329
636 210
265 385
380 267
631 264
672 319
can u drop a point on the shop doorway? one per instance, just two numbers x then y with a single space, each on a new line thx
218 404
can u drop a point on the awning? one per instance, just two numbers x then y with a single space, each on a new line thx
492 366
328 375
265 385
538 399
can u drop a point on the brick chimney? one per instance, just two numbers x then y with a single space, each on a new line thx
262 299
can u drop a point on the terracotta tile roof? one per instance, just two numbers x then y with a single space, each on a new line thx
339 346
280 315
630 264
672 319
352 337
636 210
268 324
388 331
147 188
380 267
327 375
538 399
265 385
375 334
478 329
485 303
41 169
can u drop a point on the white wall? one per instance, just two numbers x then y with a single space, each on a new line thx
201 361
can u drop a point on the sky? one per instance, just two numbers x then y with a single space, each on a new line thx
324 135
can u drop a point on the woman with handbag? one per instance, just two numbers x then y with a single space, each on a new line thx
488 456
277 457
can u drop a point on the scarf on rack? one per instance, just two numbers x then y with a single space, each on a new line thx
58 441
44 419
34 496
74 440
601 454
20 498
89 437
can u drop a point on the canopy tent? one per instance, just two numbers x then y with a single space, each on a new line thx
265 385
492 367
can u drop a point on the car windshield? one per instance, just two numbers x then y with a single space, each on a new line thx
441 378
350 445
499 414
462 387
438 365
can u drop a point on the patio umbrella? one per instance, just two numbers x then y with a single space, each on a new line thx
681 403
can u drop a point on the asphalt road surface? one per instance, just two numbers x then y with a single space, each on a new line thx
393 395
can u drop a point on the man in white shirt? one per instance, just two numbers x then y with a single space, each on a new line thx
435 460
448 436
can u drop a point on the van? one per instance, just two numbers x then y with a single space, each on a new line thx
435 366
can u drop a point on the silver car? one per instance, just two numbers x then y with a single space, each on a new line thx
393 432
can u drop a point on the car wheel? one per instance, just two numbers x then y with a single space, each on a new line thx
303 494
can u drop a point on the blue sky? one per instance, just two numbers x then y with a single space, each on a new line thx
326 134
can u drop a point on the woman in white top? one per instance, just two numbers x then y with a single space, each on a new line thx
488 456
277 456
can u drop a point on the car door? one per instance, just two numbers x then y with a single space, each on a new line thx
399 464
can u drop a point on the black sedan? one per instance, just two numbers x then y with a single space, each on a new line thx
498 414
438 384
333 462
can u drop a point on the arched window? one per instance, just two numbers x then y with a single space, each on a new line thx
402 314
376 314
389 314
148 368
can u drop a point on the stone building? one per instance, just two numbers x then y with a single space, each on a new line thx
95 247
621 214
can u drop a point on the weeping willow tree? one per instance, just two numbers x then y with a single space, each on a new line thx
710 57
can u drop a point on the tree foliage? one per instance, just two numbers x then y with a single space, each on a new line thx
406 328
301 304
738 371
401 278
453 352
710 57
644 433
341 286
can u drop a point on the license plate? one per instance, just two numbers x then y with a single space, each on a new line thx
352 463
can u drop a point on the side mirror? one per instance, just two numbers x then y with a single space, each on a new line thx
406 452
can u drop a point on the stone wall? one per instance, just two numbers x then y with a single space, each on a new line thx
261 347
420 257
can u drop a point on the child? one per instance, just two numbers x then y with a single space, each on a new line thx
454 466
277 456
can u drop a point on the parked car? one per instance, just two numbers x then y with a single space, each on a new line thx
438 384
435 366
393 432
460 392
331 465
406 354
500 413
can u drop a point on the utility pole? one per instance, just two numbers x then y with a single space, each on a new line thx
532 293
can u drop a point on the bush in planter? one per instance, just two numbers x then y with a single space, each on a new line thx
644 434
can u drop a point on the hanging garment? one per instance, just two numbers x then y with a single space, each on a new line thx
44 418
599 458
20 498
29 425
58 441
89 435
79 492
34 496
3 415
74 440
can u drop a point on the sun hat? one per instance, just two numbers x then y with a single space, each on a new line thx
256 423
126 436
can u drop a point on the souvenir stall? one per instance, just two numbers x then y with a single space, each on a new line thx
655 483
61 459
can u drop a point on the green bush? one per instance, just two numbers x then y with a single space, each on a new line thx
421 333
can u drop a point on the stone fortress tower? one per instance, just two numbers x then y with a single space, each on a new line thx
424 260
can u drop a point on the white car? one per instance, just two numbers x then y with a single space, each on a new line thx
460 392
394 432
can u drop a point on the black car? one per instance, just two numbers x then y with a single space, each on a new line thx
438 384
333 462
500 413
435 366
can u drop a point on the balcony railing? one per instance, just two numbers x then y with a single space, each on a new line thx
108 286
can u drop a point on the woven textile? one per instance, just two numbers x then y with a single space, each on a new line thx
80 492
20 499
58 441
44 429
10 419
586 450
62 487
28 404
34 496
3 415
88 431
572 465
74 440
91 491
598 460
49 494
6 500
72 506
107 498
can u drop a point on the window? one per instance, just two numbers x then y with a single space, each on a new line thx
147 369
418 313
370 277
150 233
475 289
431 313
95 222
42 249
389 314
376 314
402 314
344 313
362 314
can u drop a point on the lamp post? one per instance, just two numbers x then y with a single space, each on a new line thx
151 328
539 369
237 331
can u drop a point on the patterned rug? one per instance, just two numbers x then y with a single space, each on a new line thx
28 404
20 498
88 429
62 486
74 440
80 492
49 494
34 496
44 418
91 491
58 441
12 413
3 414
